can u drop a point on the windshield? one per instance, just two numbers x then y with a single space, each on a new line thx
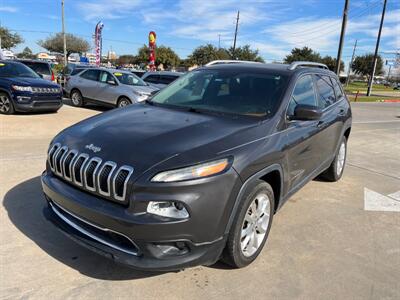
129 79
226 91
41 68
16 70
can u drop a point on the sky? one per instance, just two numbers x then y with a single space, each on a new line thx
273 27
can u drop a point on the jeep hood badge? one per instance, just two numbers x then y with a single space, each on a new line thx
94 148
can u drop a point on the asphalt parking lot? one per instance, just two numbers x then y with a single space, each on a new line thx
323 243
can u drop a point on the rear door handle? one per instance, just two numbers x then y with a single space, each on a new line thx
341 112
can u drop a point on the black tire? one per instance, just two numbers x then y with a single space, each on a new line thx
6 104
76 98
332 174
233 254
123 101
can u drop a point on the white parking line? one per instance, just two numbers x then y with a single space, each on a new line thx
374 201
374 121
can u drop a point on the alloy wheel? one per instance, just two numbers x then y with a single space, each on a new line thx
4 104
76 98
341 158
123 103
255 225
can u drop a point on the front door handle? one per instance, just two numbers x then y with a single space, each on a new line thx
341 112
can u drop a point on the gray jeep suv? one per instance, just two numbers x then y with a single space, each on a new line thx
109 87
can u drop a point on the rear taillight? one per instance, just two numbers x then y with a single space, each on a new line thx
52 76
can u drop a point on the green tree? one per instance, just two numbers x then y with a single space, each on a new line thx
164 55
331 63
55 43
26 53
245 53
126 59
167 57
362 65
303 54
204 54
8 39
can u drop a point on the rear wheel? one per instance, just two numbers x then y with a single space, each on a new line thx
251 225
6 105
123 101
76 98
335 170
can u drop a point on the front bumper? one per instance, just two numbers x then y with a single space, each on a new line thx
30 102
136 239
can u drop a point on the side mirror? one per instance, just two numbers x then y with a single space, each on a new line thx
306 113
112 82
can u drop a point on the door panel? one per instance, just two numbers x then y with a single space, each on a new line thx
106 92
302 145
87 83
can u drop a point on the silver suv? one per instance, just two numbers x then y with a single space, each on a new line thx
109 87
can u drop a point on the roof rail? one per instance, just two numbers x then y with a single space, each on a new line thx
230 61
296 64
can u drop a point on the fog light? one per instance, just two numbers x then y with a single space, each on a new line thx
23 99
168 209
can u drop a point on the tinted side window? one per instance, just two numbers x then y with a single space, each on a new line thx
91 75
41 68
76 71
338 89
325 90
105 76
152 78
303 93
167 79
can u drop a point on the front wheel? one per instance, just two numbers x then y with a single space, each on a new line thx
6 105
122 102
251 225
76 98
335 170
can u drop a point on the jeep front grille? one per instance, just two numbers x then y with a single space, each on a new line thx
90 173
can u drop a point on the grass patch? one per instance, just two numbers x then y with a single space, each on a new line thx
362 87
368 99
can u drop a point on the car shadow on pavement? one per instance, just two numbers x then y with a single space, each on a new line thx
90 106
25 204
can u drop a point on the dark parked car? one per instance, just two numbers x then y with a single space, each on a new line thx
161 79
138 73
41 67
196 173
21 89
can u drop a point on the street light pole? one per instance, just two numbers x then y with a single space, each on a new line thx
236 31
371 78
63 33
344 23
351 63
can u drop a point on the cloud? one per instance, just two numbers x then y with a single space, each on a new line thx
10 9
105 9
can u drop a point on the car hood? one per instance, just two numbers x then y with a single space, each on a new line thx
145 89
142 135
27 81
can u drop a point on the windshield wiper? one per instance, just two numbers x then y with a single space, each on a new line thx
148 101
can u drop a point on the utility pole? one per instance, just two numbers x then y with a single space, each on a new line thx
236 31
351 63
219 41
63 33
344 23
371 78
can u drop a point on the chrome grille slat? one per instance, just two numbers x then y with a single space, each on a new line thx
90 173
125 182
66 165
51 153
96 161
113 166
80 170
58 158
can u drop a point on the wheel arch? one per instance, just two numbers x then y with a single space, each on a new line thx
273 175
123 96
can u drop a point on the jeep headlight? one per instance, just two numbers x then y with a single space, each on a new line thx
193 172
22 88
